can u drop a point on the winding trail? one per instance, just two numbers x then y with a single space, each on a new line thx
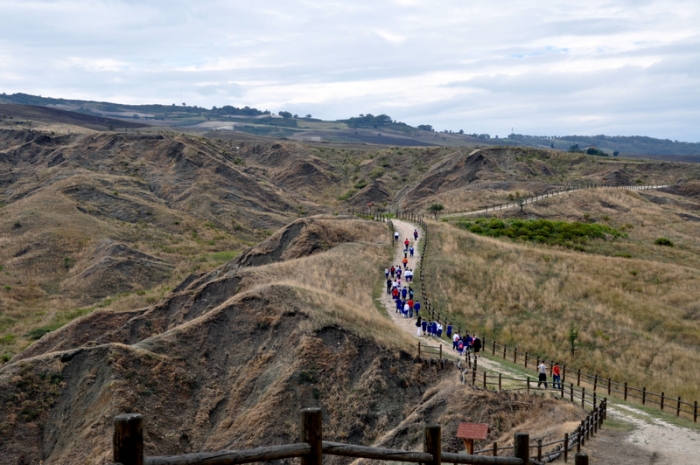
530 200
652 441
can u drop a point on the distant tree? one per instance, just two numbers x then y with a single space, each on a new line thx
435 208
573 337
308 116
552 144
461 131
285 114
425 127
184 104
574 148
296 116
136 116
616 153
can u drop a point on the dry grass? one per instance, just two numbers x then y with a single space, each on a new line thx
638 317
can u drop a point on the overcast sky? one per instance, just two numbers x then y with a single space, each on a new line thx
540 67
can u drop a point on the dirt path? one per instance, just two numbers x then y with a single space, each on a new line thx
651 440
530 200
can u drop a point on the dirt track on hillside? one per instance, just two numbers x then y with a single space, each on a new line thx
652 441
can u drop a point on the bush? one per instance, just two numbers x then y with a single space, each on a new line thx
571 235
360 184
663 241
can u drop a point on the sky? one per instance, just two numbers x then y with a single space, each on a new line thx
535 67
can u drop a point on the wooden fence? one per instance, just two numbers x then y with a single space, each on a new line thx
589 427
128 448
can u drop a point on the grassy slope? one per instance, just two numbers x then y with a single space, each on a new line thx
638 317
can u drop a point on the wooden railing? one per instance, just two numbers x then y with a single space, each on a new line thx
589 426
128 448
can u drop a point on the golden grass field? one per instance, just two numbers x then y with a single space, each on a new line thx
638 317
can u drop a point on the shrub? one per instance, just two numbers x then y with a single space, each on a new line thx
360 184
663 241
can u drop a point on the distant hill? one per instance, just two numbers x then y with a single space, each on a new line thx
363 129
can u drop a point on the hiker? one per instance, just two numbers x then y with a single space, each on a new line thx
396 236
410 292
424 326
386 272
395 292
392 271
406 243
460 347
419 323
405 262
416 307
449 331
411 250
399 305
556 376
469 343
542 369
406 309
476 343
439 330
455 340
404 293
415 234
398 272
388 286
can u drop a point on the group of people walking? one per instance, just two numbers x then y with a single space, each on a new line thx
542 375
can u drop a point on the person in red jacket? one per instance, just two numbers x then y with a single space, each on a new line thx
406 242
556 376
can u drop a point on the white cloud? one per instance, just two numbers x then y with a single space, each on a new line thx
545 67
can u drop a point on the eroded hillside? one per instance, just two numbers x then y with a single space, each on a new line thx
228 358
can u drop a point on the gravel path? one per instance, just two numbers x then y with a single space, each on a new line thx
653 441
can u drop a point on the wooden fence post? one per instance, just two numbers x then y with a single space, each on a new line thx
625 390
493 350
499 389
580 437
571 391
578 379
662 401
566 447
484 379
312 434
440 351
695 412
678 407
581 459
433 444
583 397
505 348
495 449
515 355
644 395
609 386
525 359
528 385
521 447
419 349
127 442
539 450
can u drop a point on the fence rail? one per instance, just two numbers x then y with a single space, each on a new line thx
128 448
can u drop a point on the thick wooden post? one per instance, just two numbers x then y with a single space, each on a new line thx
678 407
484 379
432 444
495 449
312 434
493 349
500 389
440 351
521 445
418 349
609 386
566 447
583 398
505 349
528 385
579 441
695 412
128 439
662 401
578 378
581 459
539 450
571 391
525 359
625 390
644 395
